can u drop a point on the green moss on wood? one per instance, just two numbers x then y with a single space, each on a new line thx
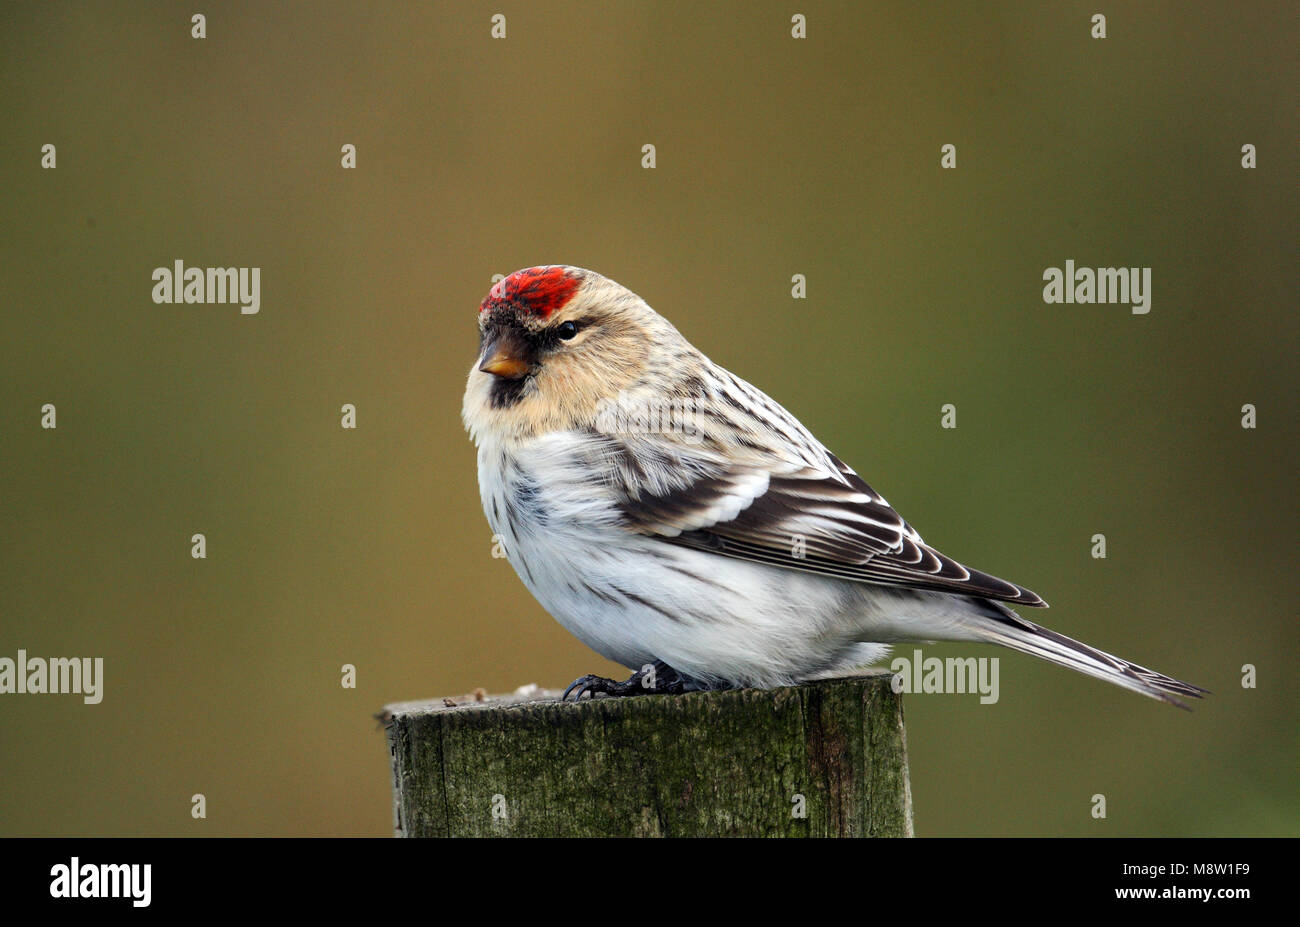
702 764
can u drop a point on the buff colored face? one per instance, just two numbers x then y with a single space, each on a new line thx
548 353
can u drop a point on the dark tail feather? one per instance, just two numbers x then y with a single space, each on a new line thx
1010 630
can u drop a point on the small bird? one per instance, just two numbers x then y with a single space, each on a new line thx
683 524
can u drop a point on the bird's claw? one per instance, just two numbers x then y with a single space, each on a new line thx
599 685
587 684
656 678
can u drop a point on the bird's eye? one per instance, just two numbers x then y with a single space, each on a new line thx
567 330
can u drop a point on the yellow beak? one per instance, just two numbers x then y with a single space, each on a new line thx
505 356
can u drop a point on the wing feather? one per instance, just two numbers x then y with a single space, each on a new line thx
784 501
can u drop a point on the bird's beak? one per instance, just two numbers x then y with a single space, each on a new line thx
505 355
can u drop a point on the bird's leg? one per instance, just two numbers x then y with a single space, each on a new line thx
657 678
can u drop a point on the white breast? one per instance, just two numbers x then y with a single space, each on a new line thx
635 599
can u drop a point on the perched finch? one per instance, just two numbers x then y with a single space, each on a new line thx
680 522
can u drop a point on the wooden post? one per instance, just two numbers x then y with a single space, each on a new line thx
825 759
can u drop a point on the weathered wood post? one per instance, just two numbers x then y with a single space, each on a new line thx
825 759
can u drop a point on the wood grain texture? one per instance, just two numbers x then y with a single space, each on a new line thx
704 764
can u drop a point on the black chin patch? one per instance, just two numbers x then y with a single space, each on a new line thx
505 393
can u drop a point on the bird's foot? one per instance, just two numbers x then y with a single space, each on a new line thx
657 678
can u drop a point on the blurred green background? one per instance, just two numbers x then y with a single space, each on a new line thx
775 156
